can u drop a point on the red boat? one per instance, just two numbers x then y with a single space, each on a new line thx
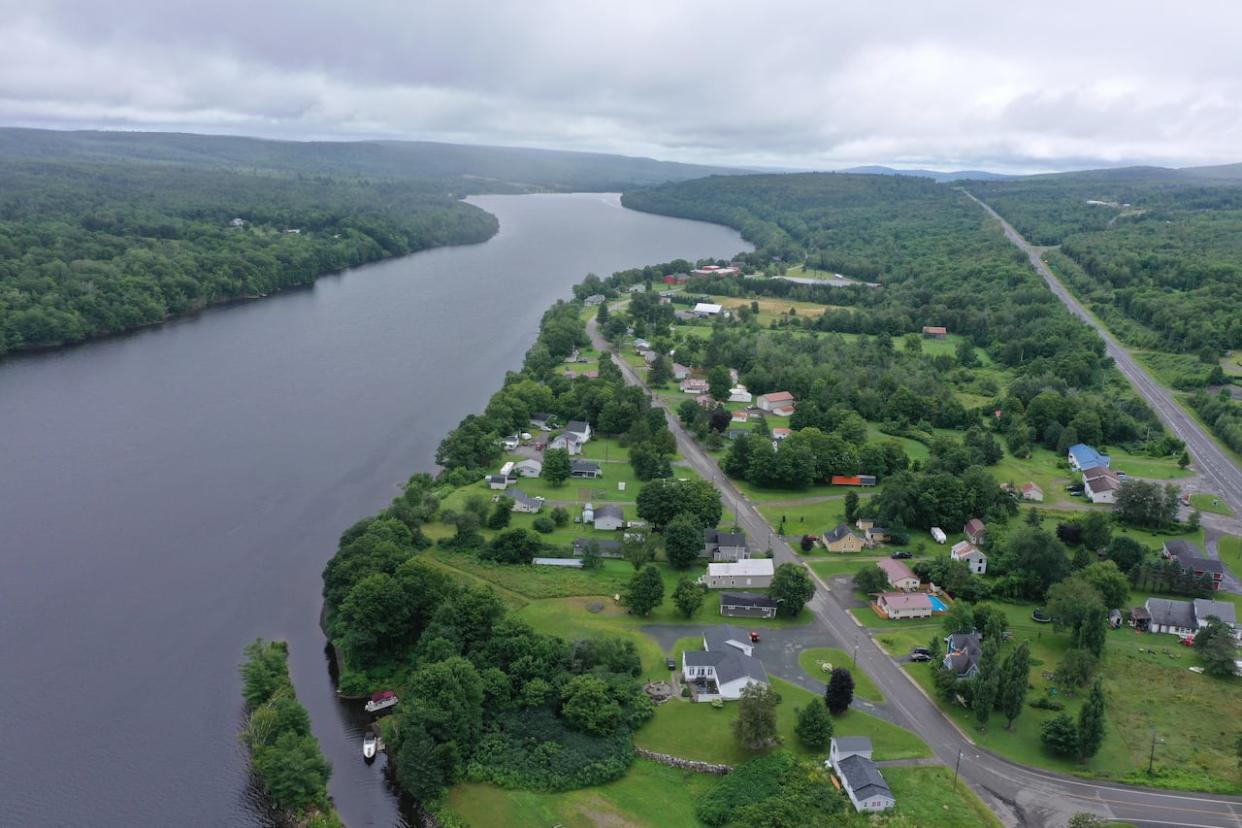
382 700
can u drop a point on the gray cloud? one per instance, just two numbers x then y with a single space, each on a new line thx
816 84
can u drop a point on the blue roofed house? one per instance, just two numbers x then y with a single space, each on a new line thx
1083 456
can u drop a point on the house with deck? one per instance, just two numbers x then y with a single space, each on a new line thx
724 667
747 605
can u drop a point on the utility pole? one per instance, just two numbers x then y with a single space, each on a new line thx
957 765
1151 758
854 660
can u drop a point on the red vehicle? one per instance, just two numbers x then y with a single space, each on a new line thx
754 638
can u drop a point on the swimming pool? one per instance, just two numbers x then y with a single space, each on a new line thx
937 604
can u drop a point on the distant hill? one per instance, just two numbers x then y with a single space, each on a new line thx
469 168
935 175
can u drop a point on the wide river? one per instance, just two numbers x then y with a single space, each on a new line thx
168 496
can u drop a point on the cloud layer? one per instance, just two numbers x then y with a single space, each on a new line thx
950 84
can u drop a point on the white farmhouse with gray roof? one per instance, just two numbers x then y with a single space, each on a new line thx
609 518
850 757
724 667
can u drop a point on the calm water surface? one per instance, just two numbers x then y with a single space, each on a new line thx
167 497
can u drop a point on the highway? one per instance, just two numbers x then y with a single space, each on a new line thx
1207 457
1019 795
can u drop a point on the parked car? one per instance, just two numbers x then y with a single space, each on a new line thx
901 554
922 650
920 657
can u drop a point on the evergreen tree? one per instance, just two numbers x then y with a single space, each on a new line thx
986 684
660 372
1015 679
851 507
601 315
1091 723
814 728
840 691
1092 631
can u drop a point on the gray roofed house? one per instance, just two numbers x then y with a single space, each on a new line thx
609 517
962 652
1169 616
605 548
1205 609
522 502
541 420
725 662
580 429
864 784
585 469
1192 560
497 481
747 605
728 546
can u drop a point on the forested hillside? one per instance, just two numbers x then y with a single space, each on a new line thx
1156 253
105 232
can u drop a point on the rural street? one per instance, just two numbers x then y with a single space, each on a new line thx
1019 795
1206 456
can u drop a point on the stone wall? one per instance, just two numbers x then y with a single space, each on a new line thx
684 764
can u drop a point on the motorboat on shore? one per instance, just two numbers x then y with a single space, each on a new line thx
382 700
370 744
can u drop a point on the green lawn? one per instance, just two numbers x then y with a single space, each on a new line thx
1148 687
812 662
806 519
1210 503
761 495
700 731
605 448
1138 465
1230 549
649 795
914 449
925 794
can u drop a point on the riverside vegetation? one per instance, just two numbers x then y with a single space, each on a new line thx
283 753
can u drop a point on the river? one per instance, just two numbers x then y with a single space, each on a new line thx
167 496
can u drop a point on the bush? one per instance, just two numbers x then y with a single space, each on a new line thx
533 749
1045 703
773 790
544 525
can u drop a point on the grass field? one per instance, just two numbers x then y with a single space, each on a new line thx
649 795
812 659
1210 503
700 731
1148 688
1230 548
926 796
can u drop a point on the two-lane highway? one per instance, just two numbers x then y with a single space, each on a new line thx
1207 457
1019 795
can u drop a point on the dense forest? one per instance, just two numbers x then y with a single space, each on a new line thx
106 232
1156 253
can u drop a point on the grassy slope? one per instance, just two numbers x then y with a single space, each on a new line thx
813 659
700 731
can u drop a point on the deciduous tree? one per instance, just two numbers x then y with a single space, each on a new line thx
645 591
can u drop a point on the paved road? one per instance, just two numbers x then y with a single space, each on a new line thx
1207 457
1019 795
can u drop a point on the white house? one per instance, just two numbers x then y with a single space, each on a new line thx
528 468
568 442
497 482
738 393
725 547
579 429
522 502
724 667
510 443
608 518
752 572
1183 618
850 757
899 575
707 309
1101 485
680 372
902 605
971 555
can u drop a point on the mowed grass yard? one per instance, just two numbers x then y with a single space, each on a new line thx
702 732
812 660
649 795
1148 687
1210 503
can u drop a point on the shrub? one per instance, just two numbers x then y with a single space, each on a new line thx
544 525
1045 703
533 749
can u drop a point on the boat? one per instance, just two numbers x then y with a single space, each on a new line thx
370 743
382 700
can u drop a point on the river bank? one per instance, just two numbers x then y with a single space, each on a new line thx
180 490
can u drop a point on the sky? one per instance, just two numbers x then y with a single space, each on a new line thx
948 84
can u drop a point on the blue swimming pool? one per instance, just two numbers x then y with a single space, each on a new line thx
937 604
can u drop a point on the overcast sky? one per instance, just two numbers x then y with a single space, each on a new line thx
950 85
